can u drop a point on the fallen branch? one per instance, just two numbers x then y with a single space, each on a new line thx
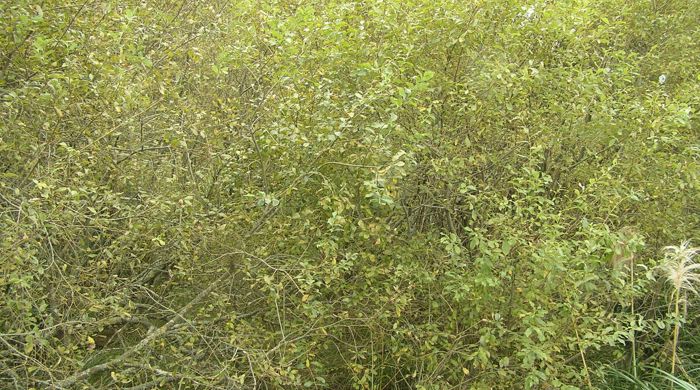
152 335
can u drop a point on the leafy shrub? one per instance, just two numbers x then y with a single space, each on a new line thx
341 194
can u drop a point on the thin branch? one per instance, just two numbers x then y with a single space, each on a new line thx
152 335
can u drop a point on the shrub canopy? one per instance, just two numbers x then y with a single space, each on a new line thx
344 194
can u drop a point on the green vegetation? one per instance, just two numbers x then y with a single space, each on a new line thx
349 194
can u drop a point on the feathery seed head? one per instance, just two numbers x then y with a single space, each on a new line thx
680 268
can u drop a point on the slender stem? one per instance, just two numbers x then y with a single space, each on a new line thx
583 357
676 330
634 321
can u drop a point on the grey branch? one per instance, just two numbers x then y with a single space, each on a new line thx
152 335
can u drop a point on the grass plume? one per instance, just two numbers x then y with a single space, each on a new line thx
682 272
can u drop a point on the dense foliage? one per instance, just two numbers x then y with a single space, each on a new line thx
348 194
